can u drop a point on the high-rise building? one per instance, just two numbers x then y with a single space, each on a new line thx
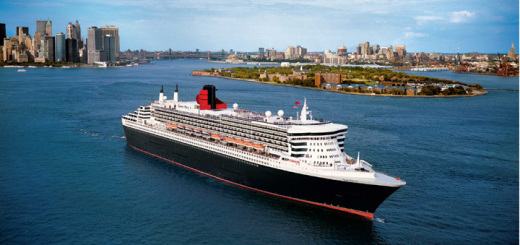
2 34
71 31
95 45
114 32
78 31
48 29
271 53
60 47
49 49
260 51
290 53
71 50
301 51
390 52
512 53
400 50
25 30
41 28
376 48
342 51
367 49
109 48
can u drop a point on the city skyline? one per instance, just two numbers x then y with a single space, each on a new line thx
428 26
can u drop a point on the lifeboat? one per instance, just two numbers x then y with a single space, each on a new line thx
230 140
240 143
180 127
259 147
206 134
197 131
248 144
215 136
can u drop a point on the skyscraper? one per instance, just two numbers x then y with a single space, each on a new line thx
71 50
114 32
71 31
48 29
25 30
95 45
60 47
41 27
78 31
2 34
260 51
49 49
109 48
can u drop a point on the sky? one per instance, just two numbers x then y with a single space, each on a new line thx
443 26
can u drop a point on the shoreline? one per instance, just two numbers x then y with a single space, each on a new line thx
475 93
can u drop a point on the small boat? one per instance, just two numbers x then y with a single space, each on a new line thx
22 70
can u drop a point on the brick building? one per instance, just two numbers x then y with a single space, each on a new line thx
321 78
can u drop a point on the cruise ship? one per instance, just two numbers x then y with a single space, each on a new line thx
301 159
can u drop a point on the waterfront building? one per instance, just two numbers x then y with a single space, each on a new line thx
60 47
260 51
49 49
114 32
109 43
71 50
36 43
94 45
2 34
6 49
342 51
321 78
512 53
24 30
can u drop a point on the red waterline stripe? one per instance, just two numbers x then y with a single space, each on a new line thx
352 211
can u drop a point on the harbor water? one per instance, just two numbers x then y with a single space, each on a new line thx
67 175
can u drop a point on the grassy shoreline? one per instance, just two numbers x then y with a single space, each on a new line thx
475 92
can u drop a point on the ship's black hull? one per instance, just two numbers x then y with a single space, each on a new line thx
361 199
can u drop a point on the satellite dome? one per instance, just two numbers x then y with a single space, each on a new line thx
235 106
268 113
280 113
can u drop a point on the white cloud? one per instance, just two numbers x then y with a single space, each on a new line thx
414 34
462 16
422 19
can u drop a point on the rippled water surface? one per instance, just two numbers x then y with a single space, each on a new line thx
67 175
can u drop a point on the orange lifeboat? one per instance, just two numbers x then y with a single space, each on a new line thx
215 136
230 140
239 142
259 147
248 144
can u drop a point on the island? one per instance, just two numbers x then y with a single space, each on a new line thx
351 80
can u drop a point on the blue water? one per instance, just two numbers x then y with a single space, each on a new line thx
67 175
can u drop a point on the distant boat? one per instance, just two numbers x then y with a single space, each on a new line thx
21 70
65 67
31 67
